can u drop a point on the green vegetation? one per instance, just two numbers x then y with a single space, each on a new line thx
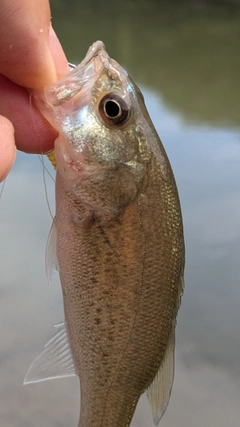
188 53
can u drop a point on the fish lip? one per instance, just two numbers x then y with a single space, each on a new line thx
70 85
96 49
98 56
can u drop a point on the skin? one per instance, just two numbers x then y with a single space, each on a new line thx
31 57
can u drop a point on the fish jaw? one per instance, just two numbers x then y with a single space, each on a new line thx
88 149
74 166
74 90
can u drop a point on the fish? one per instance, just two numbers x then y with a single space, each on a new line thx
117 242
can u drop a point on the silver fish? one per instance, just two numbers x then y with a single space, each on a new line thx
117 242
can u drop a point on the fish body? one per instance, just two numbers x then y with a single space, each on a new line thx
117 242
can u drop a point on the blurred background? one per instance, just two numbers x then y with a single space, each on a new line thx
185 57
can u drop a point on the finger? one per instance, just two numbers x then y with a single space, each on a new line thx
33 134
7 147
58 55
26 57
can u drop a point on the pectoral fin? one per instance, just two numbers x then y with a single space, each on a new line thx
159 391
51 262
55 361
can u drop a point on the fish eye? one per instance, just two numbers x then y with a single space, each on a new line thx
113 109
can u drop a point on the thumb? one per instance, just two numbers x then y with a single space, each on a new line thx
26 57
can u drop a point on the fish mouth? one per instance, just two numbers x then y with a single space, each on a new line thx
98 60
73 91
89 69
96 50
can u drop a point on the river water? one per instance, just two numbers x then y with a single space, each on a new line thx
186 60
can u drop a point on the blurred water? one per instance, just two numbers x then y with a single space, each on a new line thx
186 61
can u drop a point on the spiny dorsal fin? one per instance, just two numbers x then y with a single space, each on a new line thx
55 361
159 391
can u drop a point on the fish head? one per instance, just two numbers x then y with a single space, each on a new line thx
101 118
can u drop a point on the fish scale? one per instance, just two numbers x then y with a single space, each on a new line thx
117 242
116 306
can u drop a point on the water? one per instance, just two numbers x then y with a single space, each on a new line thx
186 61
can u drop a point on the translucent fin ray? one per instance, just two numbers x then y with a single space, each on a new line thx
159 391
2 187
51 262
55 361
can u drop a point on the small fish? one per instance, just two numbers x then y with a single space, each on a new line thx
117 242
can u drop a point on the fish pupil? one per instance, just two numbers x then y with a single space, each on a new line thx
112 109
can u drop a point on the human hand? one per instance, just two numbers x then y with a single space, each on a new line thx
31 57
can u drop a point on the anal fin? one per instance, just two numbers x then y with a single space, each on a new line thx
159 391
55 361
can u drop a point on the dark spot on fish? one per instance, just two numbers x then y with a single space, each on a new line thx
97 320
94 280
